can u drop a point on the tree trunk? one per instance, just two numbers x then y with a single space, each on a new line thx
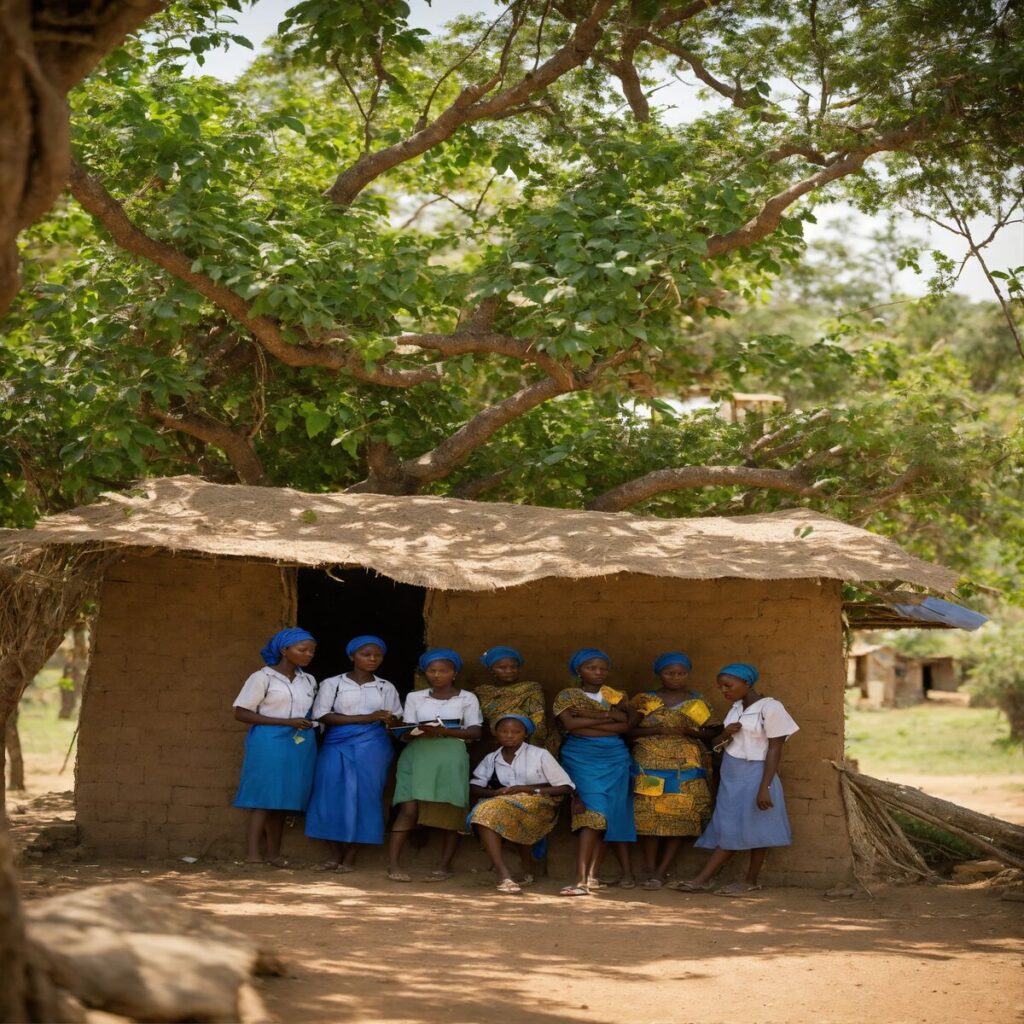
12 741
1012 705
75 668
13 953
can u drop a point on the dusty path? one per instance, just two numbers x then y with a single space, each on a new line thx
363 949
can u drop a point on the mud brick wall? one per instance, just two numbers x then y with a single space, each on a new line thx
159 752
791 630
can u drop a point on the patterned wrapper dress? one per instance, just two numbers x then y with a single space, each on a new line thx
522 698
671 792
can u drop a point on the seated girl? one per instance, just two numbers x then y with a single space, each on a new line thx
750 810
671 765
347 804
519 787
508 695
595 718
280 750
432 784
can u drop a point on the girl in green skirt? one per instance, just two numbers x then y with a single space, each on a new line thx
432 784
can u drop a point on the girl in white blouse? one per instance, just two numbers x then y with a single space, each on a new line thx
432 782
750 810
346 807
519 787
280 750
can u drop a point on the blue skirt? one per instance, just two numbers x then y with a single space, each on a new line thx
599 767
347 804
738 823
277 773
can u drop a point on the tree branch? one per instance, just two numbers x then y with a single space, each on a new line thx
236 446
770 215
96 200
661 481
469 106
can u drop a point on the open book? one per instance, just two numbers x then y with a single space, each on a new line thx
415 730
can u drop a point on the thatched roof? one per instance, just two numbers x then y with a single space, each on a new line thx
447 544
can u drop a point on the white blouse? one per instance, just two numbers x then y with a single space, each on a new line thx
420 706
341 695
268 692
765 719
531 766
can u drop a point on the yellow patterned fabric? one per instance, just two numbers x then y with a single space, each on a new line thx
522 698
576 697
687 812
524 818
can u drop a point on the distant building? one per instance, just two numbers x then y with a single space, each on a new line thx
888 679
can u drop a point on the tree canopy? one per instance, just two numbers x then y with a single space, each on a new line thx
482 262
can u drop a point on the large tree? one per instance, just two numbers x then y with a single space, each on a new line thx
473 263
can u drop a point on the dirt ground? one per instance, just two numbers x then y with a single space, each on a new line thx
360 948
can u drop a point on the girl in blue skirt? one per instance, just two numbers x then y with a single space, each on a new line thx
595 719
750 812
280 751
346 806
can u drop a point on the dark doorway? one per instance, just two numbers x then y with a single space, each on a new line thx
926 677
345 603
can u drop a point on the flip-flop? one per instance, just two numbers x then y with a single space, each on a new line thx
438 876
279 862
344 869
527 879
737 889
509 886
652 884
594 884
328 865
574 890
399 876
628 884
688 887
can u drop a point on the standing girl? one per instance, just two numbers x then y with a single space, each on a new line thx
432 786
595 718
671 765
750 811
508 695
280 750
346 806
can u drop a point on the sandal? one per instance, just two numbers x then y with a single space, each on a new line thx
344 869
399 876
652 884
527 879
574 890
595 884
629 883
509 885
689 887
438 876
328 865
279 862
737 888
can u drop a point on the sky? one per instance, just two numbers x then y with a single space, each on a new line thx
683 103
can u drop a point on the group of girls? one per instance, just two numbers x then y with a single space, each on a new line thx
658 791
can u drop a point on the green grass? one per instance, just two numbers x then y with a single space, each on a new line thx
43 734
932 739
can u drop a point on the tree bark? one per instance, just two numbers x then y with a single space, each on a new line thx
14 985
12 741
75 668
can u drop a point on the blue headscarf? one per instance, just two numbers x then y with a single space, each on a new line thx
361 641
271 654
528 723
489 657
440 654
672 658
741 670
586 654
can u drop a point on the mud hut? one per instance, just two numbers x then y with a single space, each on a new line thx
198 574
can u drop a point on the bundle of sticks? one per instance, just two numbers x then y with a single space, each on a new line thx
882 849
